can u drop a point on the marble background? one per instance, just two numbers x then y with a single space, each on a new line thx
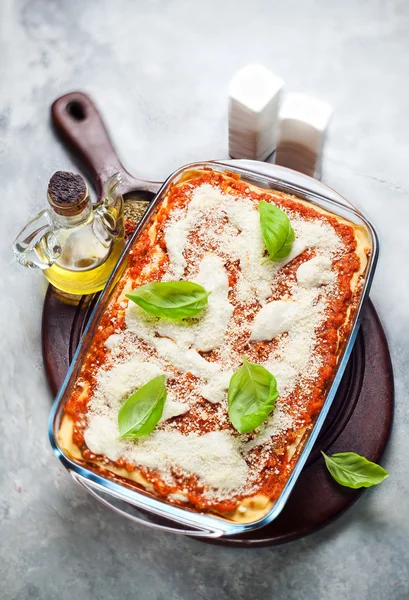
159 71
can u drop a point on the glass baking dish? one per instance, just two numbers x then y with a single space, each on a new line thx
152 511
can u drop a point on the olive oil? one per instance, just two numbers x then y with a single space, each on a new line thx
85 281
76 246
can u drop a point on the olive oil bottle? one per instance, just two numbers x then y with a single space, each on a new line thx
75 245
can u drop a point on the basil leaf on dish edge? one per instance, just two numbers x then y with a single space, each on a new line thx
141 412
353 470
251 396
278 235
171 299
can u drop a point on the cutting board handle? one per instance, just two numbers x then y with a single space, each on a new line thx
81 127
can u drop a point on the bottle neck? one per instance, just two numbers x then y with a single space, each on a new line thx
67 221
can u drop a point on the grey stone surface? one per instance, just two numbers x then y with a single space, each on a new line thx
159 70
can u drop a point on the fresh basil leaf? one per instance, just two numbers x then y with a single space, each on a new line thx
171 299
251 396
353 470
278 235
141 412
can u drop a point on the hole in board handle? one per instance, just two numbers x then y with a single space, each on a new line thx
76 110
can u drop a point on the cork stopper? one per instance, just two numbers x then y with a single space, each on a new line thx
67 193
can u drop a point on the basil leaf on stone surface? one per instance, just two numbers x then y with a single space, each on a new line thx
278 235
141 412
353 470
171 299
251 396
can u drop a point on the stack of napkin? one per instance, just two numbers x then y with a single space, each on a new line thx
254 100
303 123
261 122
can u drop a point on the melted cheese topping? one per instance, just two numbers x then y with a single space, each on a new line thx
315 272
214 457
208 332
214 231
241 240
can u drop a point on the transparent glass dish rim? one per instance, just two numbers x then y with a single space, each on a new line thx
186 521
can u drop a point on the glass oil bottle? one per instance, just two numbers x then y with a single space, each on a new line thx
75 245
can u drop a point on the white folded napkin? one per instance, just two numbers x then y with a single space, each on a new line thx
254 98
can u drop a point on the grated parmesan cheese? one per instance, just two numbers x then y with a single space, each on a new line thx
277 422
247 246
118 383
215 389
209 331
315 272
173 408
213 457
101 437
113 341
229 230
275 318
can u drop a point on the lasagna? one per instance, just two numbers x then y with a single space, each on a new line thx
292 316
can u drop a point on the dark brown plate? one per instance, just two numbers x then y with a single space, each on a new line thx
361 415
